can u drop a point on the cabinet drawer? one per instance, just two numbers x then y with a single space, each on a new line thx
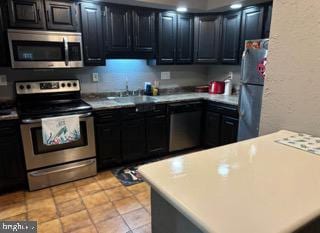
107 116
159 109
225 109
131 113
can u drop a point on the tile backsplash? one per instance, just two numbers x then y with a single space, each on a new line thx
113 76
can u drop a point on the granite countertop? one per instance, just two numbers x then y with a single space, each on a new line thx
12 116
257 185
105 103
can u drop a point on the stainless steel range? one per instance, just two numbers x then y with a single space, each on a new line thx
55 164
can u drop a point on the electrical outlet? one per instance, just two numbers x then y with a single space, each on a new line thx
3 80
95 77
165 75
230 75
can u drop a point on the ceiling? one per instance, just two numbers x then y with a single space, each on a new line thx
192 5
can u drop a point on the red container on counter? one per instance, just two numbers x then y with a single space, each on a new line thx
216 87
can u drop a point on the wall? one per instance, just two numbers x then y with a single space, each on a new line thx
221 72
113 76
292 88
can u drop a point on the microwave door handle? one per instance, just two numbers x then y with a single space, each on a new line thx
66 50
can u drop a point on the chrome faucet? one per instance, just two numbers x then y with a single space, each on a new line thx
127 87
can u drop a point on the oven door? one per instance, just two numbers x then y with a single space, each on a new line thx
44 49
38 155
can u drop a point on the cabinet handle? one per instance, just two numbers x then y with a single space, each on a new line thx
129 41
174 53
47 15
38 15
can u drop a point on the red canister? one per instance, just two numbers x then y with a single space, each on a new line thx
216 87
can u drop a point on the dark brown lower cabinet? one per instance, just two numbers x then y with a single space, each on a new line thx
12 166
229 130
133 140
212 129
157 135
108 138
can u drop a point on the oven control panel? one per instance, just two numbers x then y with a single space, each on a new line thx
39 87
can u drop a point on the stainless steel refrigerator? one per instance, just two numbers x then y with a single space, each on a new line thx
253 69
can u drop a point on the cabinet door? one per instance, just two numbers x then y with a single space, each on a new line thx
4 58
230 38
167 37
267 23
61 15
144 30
26 14
108 143
12 170
251 26
207 39
185 39
229 130
157 135
212 129
91 19
119 29
133 140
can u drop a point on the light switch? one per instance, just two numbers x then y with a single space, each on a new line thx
95 77
3 80
165 75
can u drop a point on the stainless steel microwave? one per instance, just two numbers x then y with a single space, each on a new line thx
45 49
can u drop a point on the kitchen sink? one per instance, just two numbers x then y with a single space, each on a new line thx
135 99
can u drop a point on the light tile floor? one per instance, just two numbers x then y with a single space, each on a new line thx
99 204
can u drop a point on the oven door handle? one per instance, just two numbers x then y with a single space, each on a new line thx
33 121
49 171
66 50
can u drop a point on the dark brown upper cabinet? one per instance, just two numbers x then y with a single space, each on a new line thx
185 39
167 37
91 21
26 14
144 30
267 22
207 32
252 25
4 59
62 16
119 29
230 38
175 38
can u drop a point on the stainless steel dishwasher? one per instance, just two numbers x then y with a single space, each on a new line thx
185 125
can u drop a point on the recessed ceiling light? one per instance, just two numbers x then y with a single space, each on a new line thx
236 6
182 9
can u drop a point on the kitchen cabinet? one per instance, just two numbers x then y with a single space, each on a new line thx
144 30
267 22
230 38
157 135
91 20
212 129
229 130
167 37
61 15
26 14
221 124
108 145
12 168
133 139
175 38
207 32
119 29
129 32
4 60
185 39
252 25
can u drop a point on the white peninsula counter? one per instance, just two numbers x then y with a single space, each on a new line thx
255 186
